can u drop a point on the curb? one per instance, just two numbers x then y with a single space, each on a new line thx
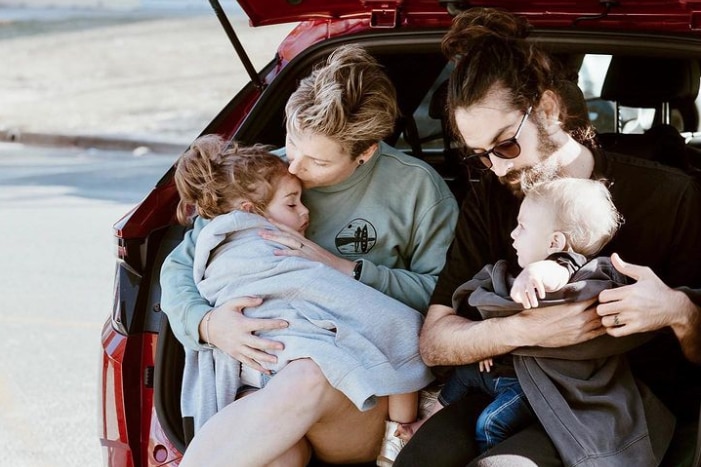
87 141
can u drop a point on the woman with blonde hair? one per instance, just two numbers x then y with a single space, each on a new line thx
377 215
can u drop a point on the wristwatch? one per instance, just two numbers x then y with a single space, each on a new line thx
357 269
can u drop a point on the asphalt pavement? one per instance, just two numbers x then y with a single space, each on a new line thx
104 77
57 208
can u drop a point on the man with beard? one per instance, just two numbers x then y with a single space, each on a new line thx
507 103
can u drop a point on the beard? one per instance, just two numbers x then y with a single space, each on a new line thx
547 168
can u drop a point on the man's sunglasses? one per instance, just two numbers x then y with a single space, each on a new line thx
506 149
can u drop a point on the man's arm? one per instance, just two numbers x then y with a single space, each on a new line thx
449 339
687 325
432 237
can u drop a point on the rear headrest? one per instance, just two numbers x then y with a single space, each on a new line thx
647 82
577 110
438 107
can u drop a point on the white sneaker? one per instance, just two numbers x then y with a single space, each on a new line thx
391 445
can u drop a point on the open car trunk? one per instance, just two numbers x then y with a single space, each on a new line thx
422 132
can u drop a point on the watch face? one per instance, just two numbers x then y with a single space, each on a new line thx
357 270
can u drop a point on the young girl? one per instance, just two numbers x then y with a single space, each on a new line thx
365 342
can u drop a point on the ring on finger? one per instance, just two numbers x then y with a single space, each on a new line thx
615 320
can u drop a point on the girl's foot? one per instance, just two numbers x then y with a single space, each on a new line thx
391 445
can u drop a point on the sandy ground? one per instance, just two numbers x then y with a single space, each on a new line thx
145 74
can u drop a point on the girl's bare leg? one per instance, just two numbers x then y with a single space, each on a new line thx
260 428
403 407
407 430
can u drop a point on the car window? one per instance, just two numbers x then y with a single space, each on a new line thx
429 126
602 113
591 79
684 116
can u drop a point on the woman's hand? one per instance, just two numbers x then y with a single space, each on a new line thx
304 248
233 333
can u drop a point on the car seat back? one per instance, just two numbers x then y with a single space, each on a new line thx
645 82
661 84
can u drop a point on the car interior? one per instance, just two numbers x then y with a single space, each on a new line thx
640 105
665 85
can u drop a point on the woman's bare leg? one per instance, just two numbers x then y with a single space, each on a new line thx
260 428
298 455
344 434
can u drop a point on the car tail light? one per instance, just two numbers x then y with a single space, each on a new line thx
127 279
119 312
129 250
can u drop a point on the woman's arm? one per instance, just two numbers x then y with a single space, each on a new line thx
180 299
413 285
226 327
229 330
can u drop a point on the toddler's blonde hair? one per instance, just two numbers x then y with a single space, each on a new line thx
584 211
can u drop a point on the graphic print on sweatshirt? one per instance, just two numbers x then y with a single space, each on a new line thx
356 238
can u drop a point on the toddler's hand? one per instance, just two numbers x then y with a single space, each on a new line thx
528 287
486 365
536 279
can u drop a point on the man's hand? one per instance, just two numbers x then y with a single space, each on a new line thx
449 339
559 325
648 305
233 333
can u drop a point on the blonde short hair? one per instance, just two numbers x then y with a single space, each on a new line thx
584 211
349 99
214 177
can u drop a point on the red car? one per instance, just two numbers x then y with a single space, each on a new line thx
638 65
